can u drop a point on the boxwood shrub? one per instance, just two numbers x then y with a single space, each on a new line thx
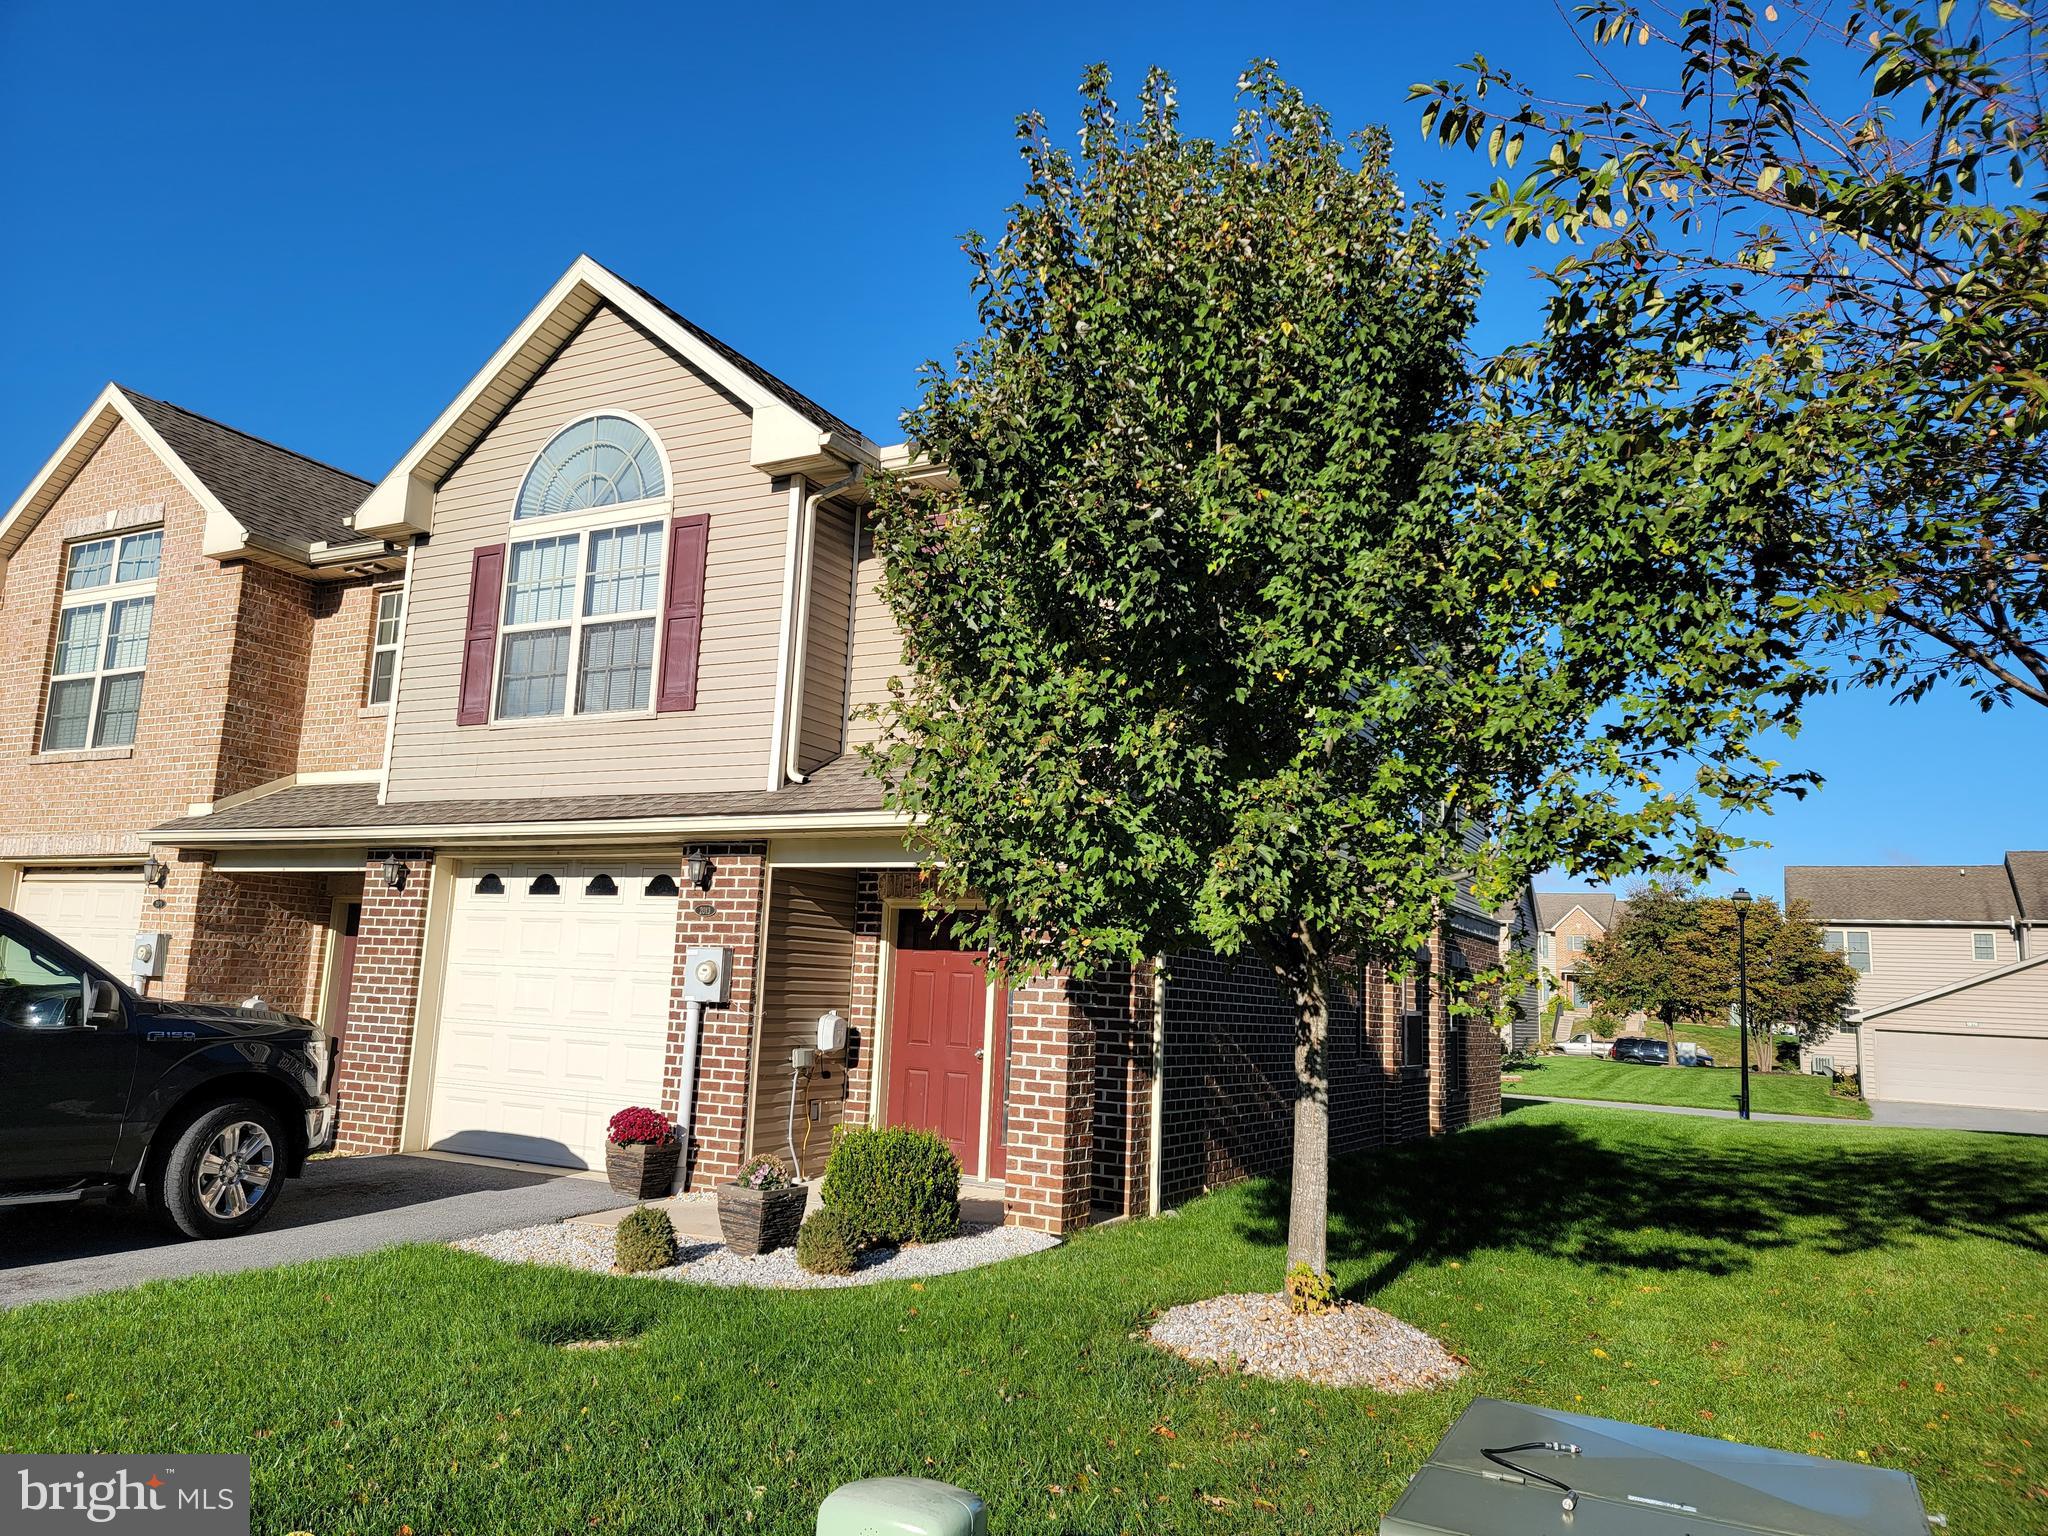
894 1185
646 1240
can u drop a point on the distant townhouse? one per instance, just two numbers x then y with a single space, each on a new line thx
1567 923
1952 978
622 702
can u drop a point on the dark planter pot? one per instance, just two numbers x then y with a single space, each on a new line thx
644 1172
760 1220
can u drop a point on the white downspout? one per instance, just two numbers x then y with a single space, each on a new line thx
1154 1180
778 731
686 1097
800 626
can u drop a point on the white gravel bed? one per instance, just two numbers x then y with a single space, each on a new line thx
576 1246
1348 1346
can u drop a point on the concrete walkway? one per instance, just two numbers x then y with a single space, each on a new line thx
343 1206
1891 1116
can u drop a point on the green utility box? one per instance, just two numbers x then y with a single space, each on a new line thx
1624 1480
901 1506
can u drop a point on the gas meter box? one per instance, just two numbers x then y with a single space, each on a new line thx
1505 1469
902 1506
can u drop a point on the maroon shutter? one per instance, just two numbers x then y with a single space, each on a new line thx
480 634
682 618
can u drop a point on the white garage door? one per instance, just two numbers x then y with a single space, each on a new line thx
95 911
1984 1071
555 1011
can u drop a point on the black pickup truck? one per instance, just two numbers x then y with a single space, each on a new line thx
202 1109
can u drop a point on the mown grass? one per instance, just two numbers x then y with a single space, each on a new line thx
1870 1294
1772 1093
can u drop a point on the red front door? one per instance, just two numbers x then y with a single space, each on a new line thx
937 1035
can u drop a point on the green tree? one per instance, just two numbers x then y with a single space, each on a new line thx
1836 265
1237 619
1793 979
1652 961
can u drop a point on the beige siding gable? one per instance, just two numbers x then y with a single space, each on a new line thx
877 647
608 365
1906 961
825 659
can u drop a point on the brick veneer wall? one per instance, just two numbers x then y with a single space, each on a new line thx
864 1025
376 1058
1048 1108
236 936
729 913
1119 1008
338 731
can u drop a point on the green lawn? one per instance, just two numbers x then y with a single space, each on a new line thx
1773 1093
1858 1294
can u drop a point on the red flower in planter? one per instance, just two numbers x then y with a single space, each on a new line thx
640 1128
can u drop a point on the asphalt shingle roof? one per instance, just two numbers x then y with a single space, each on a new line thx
273 492
2029 871
1967 893
841 785
1552 907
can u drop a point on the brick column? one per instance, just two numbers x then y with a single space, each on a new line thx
1047 1162
729 913
864 1021
376 1058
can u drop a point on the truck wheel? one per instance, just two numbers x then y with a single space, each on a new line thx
224 1171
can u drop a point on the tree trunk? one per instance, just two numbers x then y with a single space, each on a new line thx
1670 1040
1308 1209
1766 1050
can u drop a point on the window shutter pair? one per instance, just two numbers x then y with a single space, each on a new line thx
682 623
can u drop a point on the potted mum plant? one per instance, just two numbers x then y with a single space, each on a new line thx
761 1210
641 1152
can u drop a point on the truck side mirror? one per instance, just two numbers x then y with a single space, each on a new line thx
103 1005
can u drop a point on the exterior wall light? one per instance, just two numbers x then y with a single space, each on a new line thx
155 871
697 871
394 873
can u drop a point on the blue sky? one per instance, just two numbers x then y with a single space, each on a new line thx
315 223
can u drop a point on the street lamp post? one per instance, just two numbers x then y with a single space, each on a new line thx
1742 899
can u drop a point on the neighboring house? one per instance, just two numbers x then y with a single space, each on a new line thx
186 619
1567 923
640 629
1521 932
1951 994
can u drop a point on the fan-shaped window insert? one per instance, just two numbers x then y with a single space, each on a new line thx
544 885
599 461
490 885
661 885
601 885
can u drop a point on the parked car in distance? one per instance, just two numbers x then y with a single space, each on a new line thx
201 1109
1584 1043
1654 1053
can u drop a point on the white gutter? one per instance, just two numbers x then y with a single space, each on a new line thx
640 829
793 724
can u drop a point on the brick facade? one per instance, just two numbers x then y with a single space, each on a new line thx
376 1059
730 913
244 935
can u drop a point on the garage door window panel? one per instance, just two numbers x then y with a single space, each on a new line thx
103 637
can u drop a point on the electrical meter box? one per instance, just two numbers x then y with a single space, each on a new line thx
902 1506
146 958
707 974
1506 1469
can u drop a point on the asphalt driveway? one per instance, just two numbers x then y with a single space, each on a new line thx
343 1206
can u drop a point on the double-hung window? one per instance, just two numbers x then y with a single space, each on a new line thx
1852 944
384 645
1983 946
102 650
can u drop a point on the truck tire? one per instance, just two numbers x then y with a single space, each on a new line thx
224 1171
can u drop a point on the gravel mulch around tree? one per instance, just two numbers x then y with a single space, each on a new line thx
1348 1346
575 1246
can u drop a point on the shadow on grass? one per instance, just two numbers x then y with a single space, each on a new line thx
1706 1198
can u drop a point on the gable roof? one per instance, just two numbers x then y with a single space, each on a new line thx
1904 893
2028 870
1553 907
271 491
792 434
260 499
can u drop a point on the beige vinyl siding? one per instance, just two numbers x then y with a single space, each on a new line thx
824 702
1906 961
723 743
2012 1004
877 647
807 968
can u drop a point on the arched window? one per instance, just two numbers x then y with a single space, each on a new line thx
599 461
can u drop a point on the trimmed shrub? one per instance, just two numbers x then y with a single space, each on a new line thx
894 1185
827 1243
646 1240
